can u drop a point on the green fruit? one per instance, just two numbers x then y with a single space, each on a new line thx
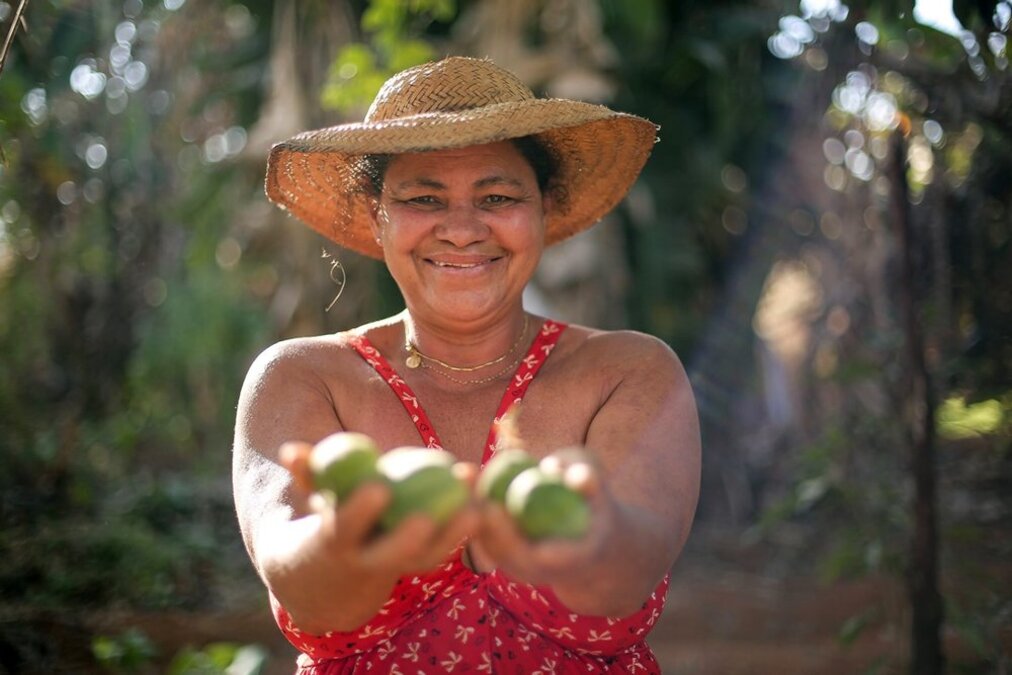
500 471
341 462
421 481
546 508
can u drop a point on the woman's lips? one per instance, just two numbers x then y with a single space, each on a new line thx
461 263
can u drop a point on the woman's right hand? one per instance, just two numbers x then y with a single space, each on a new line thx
351 529
339 553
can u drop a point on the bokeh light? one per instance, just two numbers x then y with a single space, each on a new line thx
86 80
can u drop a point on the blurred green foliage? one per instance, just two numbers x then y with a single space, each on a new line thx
958 420
133 652
128 652
219 658
125 328
392 27
947 96
135 289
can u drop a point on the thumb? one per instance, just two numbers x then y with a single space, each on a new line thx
294 456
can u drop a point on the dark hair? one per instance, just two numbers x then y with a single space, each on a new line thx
372 168
540 157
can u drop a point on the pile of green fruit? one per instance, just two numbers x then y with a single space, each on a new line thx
422 480
535 495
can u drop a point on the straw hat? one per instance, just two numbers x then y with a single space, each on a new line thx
459 102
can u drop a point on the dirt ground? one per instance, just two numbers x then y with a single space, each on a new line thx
726 624
732 625
714 624
720 619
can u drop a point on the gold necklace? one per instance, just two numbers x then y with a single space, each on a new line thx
484 380
416 357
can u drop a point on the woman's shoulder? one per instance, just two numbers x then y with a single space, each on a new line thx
319 354
298 351
624 346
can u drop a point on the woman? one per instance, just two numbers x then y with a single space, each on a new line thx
457 179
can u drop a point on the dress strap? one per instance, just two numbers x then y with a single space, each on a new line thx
401 390
542 346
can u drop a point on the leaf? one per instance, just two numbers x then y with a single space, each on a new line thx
956 419
352 59
128 652
354 79
248 660
410 53
384 16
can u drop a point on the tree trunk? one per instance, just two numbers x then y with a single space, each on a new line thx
309 297
918 416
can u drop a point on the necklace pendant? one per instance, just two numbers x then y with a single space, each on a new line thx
413 360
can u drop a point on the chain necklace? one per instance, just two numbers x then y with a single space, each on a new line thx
416 358
484 380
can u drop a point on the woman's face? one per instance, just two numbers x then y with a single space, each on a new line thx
462 230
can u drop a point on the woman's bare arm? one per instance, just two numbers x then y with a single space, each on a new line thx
643 483
320 563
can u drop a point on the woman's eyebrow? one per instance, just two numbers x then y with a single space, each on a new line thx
431 183
434 184
497 180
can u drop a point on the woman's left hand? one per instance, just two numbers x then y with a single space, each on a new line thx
550 561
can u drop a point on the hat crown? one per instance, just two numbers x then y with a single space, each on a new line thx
453 84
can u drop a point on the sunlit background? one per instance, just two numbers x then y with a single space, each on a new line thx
823 233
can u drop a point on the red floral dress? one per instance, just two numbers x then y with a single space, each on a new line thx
456 620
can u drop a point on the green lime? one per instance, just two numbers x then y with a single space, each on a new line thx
421 481
499 472
341 462
546 508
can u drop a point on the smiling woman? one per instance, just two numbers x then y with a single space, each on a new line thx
458 178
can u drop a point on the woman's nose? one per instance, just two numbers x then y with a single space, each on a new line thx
462 226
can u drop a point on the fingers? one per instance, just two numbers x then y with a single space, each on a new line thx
549 560
418 543
500 538
357 517
395 549
294 456
467 472
578 470
532 562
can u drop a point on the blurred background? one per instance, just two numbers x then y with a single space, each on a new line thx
820 234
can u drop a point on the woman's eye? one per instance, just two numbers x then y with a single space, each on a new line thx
423 200
497 199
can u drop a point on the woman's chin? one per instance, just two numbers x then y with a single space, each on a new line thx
461 307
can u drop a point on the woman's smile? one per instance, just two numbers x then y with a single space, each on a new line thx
462 229
462 263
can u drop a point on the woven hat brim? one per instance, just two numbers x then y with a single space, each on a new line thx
600 153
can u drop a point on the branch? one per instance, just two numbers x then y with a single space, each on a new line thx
18 19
